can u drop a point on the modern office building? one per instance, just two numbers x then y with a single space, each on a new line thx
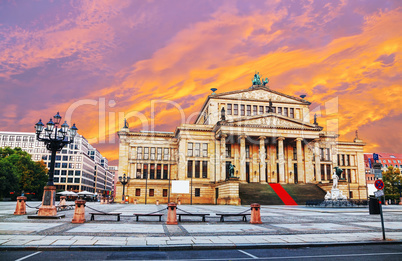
78 166
265 134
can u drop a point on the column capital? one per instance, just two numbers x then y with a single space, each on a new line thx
242 136
280 138
262 138
223 135
299 139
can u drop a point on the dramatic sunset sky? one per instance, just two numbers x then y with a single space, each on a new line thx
106 60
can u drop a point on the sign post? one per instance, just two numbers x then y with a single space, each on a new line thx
379 184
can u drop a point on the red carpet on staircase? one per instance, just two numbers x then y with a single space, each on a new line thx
281 192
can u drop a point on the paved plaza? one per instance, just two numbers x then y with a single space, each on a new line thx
282 225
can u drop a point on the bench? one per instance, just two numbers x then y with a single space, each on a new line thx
105 214
65 207
193 214
137 215
223 215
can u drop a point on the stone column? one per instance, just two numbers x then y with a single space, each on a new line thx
300 168
242 168
217 169
223 157
262 159
281 160
317 161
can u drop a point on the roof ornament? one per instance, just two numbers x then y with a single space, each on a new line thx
256 80
213 91
125 123
315 119
265 82
357 135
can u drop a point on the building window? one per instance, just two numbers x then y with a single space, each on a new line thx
77 172
190 149
151 192
266 109
70 180
274 109
71 172
254 109
228 150
65 158
164 193
347 163
146 153
247 151
205 169
236 109
56 179
197 192
279 110
166 154
205 149
189 169
322 153
64 172
242 108
58 157
151 171
64 165
139 153
76 180
165 171
261 110
137 192
286 112
145 171
159 155
292 113
248 110
197 169
159 171
295 152
152 153
197 150
138 175
328 155
229 109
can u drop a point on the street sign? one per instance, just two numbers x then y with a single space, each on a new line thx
379 184
379 193
375 157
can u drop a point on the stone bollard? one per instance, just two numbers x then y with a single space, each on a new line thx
62 201
20 209
171 218
79 212
178 202
255 213
135 201
157 202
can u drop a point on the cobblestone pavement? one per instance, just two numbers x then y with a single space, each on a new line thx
281 225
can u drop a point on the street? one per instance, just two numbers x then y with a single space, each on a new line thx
364 252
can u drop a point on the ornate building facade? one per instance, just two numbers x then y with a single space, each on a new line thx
265 134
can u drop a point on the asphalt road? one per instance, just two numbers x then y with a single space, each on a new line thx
355 253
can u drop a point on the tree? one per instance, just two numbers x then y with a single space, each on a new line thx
390 177
19 173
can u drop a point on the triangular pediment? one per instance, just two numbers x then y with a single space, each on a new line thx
271 120
261 94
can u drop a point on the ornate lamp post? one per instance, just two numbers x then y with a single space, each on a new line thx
55 139
124 180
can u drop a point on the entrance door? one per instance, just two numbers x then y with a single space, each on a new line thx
248 172
295 169
216 195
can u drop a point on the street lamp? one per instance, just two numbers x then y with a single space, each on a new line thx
55 139
400 191
124 180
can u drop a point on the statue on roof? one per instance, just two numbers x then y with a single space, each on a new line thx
315 119
270 106
125 123
265 82
223 114
256 79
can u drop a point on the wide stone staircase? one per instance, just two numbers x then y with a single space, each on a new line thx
265 195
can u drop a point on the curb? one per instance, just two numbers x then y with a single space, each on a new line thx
191 246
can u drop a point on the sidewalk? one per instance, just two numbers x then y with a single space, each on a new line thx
293 226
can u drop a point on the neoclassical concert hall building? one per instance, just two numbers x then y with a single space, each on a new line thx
268 136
